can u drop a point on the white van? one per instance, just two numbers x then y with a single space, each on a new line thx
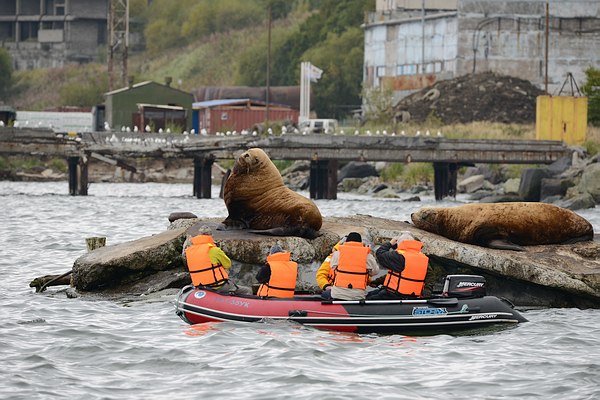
319 126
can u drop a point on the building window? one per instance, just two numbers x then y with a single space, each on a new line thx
29 30
101 33
380 71
7 31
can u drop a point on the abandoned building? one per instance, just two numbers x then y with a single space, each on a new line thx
411 44
51 33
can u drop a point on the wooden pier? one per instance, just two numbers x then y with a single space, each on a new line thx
325 152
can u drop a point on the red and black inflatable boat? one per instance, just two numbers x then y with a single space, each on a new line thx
468 309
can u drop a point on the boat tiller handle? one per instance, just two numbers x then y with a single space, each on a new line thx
297 313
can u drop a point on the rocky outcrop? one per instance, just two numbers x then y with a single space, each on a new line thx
552 276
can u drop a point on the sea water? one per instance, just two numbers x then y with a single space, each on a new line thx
53 347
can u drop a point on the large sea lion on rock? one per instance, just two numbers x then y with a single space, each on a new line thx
507 226
257 199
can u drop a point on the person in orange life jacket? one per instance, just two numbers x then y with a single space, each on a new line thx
278 276
406 265
324 275
209 265
352 264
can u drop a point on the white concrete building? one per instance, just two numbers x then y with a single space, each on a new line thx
410 44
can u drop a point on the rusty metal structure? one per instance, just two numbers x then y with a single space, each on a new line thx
118 43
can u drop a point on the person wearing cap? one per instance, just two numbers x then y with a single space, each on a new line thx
407 268
209 265
352 264
278 276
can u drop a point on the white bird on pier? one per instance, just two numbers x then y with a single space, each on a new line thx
368 132
113 138
427 133
341 132
135 128
1 123
186 133
254 133
296 131
128 129
377 132
168 130
148 129
418 133
402 133
283 130
122 129
160 130
439 134
203 132
228 133
193 131
16 124
270 131
384 132
356 132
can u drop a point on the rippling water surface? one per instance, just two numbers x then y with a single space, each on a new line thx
54 347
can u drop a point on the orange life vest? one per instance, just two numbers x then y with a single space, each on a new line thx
411 280
351 271
202 270
282 282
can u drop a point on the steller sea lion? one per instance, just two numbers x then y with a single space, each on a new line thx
257 199
507 226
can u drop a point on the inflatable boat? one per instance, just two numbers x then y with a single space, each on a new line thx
463 307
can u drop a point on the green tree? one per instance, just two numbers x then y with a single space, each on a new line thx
340 56
591 88
6 71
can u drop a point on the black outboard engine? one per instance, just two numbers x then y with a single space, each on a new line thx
464 286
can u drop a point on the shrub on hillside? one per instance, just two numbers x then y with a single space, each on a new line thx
591 88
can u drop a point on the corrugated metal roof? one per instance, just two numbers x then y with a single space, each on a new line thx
127 88
222 102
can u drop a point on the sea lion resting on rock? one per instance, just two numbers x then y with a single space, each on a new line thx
257 199
507 226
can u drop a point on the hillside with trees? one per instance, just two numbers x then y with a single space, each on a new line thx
220 43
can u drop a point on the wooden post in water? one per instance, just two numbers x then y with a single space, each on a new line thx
444 179
78 176
323 179
73 162
95 242
203 176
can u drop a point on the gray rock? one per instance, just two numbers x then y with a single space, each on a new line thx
120 264
590 181
554 276
471 184
355 169
580 202
531 181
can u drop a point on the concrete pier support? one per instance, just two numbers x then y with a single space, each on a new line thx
444 179
203 176
78 176
323 179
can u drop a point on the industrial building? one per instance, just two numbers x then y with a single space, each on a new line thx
148 102
51 33
238 114
411 44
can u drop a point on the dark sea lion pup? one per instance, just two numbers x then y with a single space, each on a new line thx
508 226
257 199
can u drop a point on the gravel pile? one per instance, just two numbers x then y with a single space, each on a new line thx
474 97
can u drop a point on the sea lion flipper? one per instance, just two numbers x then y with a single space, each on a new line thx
230 225
502 244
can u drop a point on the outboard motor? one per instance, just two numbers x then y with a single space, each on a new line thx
464 286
